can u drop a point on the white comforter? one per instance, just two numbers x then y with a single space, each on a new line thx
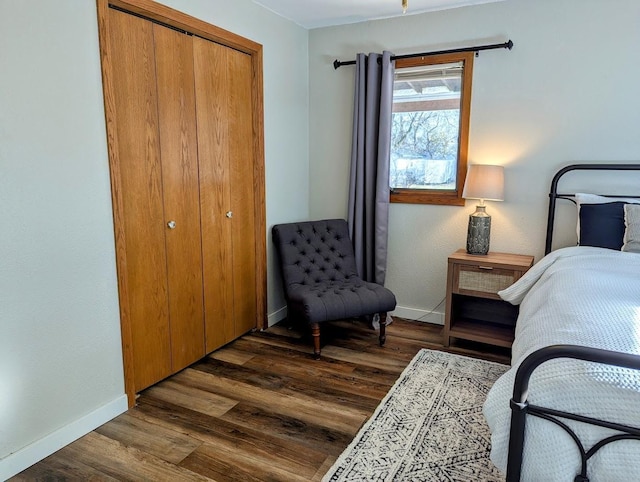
579 296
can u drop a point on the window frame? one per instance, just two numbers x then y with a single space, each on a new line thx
435 196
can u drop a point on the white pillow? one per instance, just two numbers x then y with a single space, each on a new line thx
632 228
584 198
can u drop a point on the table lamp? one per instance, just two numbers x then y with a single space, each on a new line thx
484 182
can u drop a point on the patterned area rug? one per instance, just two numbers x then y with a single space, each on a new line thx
429 427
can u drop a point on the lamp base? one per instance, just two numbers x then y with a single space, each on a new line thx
479 232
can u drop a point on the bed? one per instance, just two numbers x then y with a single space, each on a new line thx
569 407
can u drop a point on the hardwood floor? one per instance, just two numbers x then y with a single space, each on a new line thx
259 409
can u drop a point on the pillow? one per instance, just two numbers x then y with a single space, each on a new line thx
602 225
632 228
583 198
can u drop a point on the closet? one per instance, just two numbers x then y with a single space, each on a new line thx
183 103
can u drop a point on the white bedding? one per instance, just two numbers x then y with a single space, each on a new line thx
580 296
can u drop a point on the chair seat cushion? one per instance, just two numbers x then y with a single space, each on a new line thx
334 300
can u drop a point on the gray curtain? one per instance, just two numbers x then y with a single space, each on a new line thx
368 215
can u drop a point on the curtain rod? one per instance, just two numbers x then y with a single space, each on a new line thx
507 45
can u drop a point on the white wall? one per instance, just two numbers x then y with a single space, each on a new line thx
565 93
60 356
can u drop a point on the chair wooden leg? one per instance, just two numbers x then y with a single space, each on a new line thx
315 331
383 324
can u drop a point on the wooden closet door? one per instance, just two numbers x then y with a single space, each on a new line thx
243 190
136 163
213 111
227 190
179 155
153 84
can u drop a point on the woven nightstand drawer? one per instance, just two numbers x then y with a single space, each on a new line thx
485 281
480 279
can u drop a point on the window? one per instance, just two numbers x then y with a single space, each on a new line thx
430 128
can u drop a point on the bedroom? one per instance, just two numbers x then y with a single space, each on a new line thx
558 97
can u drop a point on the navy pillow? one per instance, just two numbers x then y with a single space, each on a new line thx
602 225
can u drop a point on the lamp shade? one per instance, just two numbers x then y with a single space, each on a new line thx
484 182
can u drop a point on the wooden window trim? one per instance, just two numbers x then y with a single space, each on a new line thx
431 196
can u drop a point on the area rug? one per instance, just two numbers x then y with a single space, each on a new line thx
429 427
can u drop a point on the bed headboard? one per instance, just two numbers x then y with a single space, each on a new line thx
555 195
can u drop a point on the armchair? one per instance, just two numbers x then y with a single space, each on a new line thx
320 278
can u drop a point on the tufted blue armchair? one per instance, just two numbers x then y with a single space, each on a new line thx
320 277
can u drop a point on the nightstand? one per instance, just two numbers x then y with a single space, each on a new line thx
474 311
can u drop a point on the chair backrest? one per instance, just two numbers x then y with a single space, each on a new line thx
314 252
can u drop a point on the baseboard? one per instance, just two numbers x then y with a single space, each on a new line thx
434 317
277 316
18 461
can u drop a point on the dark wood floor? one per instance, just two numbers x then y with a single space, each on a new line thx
259 409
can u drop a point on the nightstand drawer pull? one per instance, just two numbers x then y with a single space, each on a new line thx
487 268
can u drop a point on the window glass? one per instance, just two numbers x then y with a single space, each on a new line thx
429 129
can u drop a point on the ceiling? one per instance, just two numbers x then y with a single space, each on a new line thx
323 13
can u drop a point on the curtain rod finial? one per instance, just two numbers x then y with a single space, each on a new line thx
336 64
509 44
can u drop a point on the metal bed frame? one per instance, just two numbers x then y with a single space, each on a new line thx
520 407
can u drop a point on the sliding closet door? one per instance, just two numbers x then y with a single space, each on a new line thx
137 166
180 187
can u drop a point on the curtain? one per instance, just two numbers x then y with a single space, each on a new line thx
368 215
